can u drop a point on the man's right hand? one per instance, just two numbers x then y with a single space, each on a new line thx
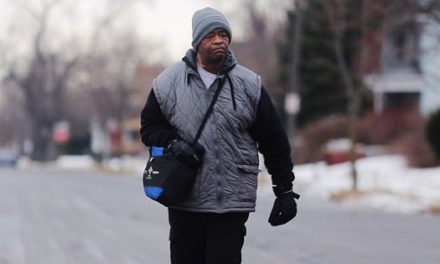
191 155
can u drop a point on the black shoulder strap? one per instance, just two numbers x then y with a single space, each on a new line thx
210 109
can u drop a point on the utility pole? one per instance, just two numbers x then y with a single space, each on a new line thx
292 101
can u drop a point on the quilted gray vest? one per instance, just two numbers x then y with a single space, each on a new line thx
227 181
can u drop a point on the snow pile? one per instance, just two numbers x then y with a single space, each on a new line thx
75 162
384 182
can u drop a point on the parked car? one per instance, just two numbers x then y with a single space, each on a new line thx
8 157
338 151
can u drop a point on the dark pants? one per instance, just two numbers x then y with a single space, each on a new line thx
206 238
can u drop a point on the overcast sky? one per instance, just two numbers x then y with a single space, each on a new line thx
170 22
165 22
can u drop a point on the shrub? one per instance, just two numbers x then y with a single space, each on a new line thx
400 132
388 127
413 143
416 150
313 137
433 132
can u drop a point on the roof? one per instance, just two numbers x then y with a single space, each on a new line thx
395 82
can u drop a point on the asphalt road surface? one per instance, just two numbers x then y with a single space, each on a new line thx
56 216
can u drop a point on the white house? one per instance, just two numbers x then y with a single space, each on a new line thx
430 65
398 81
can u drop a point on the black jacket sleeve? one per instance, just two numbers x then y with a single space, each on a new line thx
155 129
272 141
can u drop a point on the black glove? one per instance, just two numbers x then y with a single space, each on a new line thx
284 207
191 155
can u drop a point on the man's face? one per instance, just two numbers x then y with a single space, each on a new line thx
214 46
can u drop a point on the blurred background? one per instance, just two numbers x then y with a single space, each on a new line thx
356 83
350 79
75 74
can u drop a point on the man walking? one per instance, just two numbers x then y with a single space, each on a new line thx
208 226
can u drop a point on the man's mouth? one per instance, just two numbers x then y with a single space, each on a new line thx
219 50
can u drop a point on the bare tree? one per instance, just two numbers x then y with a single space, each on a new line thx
44 80
337 16
43 85
360 18
430 8
259 50
294 81
343 18
108 75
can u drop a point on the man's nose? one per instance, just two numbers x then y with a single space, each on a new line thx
218 39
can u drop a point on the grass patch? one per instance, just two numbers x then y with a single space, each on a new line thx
358 194
346 195
434 209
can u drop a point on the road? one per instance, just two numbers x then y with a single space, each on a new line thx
54 216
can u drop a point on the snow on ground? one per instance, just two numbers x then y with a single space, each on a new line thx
384 182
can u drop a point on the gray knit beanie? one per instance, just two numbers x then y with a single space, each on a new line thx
206 20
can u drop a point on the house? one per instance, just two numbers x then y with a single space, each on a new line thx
143 81
129 142
395 77
430 64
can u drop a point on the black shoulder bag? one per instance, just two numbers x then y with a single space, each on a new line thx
168 180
